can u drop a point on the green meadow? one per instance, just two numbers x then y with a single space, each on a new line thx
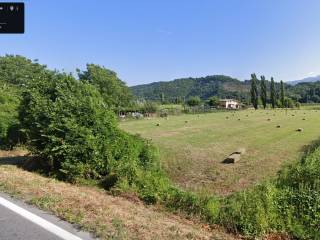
193 147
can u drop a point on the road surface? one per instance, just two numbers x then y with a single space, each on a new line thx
19 221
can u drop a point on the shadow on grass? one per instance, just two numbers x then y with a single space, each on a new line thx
25 162
14 160
309 148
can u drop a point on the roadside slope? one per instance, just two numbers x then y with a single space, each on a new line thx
94 210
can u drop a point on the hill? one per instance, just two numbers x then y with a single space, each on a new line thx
222 87
204 87
305 80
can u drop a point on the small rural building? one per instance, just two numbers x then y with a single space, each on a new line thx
229 103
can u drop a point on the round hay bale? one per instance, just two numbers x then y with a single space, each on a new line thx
300 130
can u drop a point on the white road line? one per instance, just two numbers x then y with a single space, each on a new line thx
39 221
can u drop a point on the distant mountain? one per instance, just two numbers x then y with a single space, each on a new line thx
305 90
204 87
216 85
304 80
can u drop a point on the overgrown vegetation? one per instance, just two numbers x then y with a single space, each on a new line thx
289 204
70 126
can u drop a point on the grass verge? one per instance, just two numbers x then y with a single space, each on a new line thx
94 210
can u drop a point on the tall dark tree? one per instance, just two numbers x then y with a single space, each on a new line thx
162 99
263 92
282 94
254 91
272 93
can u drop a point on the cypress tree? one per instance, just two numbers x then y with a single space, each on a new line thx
273 93
162 98
254 91
263 92
282 94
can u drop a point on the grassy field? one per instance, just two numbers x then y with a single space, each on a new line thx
192 147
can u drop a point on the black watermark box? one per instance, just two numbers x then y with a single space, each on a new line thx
11 17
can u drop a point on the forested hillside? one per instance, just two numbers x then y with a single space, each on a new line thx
220 86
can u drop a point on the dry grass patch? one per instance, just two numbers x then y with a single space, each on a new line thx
94 210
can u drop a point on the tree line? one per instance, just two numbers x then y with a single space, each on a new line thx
277 98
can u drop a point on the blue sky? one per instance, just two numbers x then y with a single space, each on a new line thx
146 41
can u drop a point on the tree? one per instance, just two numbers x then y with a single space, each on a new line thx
74 135
213 101
194 101
282 94
272 93
288 103
115 93
162 98
254 91
17 70
263 92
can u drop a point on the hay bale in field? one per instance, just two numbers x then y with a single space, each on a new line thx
240 151
278 126
299 130
233 158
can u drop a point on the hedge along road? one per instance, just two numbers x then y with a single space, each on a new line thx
20 221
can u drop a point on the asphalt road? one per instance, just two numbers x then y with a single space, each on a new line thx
19 221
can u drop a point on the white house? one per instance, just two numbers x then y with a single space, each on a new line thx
229 103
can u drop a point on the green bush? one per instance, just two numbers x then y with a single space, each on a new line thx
68 125
194 101
291 203
9 101
252 212
300 200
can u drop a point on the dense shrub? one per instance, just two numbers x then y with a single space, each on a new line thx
194 101
9 101
252 212
68 125
300 200
291 203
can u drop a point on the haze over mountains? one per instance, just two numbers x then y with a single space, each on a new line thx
304 80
